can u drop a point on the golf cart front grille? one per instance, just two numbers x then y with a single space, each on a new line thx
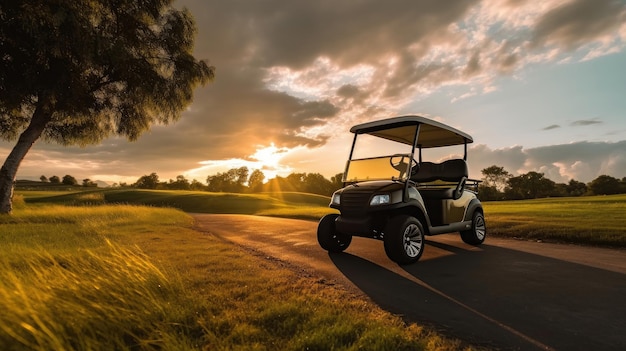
355 203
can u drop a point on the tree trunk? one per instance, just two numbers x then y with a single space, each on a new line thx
8 172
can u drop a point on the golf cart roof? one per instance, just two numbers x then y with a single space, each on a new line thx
402 129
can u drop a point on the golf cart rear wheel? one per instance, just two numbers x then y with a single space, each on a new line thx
328 238
404 239
477 234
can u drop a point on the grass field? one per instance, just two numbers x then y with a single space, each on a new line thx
280 204
591 220
122 277
80 273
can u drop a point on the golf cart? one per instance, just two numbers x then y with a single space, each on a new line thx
399 198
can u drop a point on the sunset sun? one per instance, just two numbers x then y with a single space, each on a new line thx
270 160
269 156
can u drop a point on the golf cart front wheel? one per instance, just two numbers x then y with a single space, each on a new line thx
328 237
404 239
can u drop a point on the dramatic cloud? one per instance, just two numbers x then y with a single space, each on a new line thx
297 74
583 161
578 23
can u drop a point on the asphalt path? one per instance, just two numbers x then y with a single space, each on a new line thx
505 294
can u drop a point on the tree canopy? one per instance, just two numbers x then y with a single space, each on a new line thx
148 181
76 72
605 185
530 185
498 184
496 176
69 180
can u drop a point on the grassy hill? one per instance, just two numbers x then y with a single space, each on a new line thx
32 185
592 220
279 204
597 220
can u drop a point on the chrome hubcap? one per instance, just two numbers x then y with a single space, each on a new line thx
480 228
412 240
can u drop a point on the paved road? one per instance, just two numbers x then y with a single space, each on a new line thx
506 294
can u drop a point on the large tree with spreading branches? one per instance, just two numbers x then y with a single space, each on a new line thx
77 71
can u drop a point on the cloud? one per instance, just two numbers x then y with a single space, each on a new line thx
585 122
582 161
295 73
577 23
552 126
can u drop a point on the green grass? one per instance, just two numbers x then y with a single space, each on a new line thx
137 278
67 283
33 194
78 276
591 220
595 220
279 204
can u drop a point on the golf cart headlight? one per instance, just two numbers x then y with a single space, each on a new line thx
380 200
336 199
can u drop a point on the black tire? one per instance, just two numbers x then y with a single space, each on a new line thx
478 233
404 239
328 238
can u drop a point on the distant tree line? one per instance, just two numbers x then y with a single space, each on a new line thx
67 180
498 184
241 180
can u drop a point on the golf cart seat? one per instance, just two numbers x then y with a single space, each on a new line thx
452 171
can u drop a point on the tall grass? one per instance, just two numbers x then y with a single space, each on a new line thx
110 298
139 278
65 286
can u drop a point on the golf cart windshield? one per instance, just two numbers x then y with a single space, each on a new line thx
386 149
376 168
378 158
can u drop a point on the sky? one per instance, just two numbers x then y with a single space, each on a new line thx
539 85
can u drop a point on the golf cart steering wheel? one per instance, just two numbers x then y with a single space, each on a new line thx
397 162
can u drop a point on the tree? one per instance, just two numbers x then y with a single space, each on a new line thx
76 72
560 189
296 181
495 176
196 185
315 183
69 180
88 183
181 183
255 182
219 182
576 188
531 185
242 176
231 181
489 193
605 185
55 180
43 179
147 181
337 181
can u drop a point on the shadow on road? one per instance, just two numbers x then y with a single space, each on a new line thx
501 298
